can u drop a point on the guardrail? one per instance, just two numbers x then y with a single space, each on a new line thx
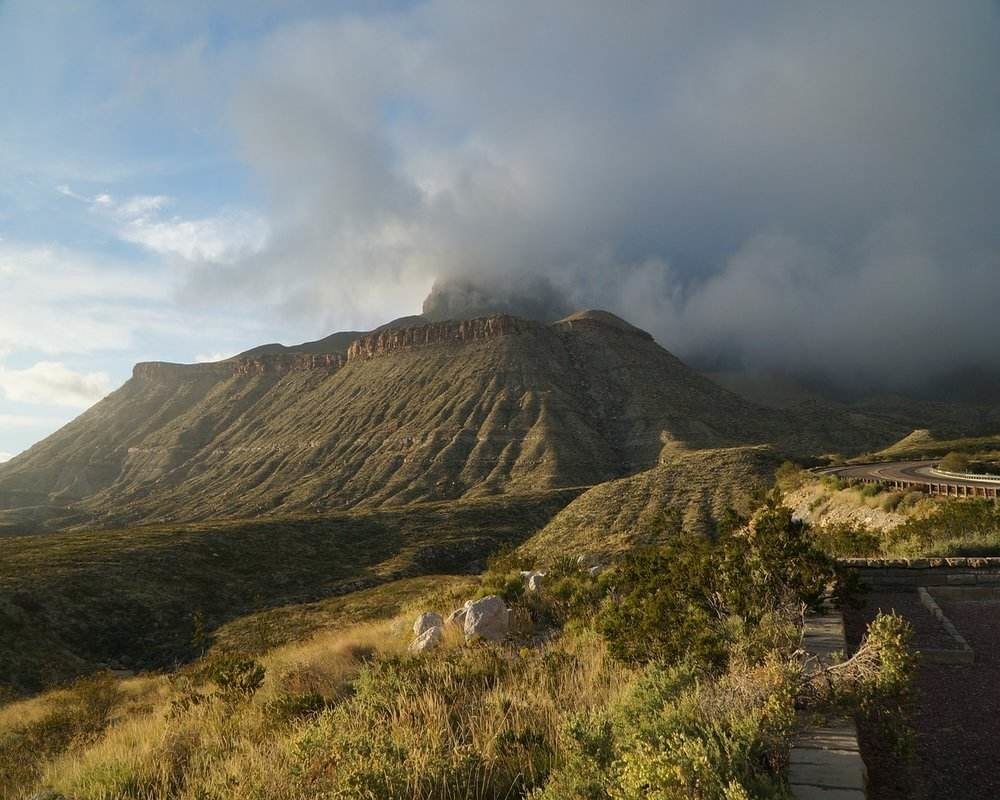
964 476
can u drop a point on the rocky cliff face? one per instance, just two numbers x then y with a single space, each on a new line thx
384 342
372 345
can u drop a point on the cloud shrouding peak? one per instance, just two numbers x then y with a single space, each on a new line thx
788 185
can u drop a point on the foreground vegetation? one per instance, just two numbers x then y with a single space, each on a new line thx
668 674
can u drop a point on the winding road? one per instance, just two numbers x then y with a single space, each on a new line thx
920 476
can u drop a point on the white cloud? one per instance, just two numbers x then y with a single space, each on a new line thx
57 300
223 239
52 383
206 358
220 239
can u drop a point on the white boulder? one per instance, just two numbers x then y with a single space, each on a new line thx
488 619
535 581
427 640
426 621
457 617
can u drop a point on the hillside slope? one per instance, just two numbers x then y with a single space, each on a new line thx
71 602
427 412
690 490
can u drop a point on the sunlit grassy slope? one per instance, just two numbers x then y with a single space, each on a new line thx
694 490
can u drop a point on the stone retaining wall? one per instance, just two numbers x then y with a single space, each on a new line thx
913 572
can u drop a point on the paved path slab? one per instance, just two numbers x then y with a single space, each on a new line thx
825 758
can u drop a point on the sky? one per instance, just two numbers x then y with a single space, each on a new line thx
803 186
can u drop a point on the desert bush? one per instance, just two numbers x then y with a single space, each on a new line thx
876 681
956 527
844 540
674 602
871 489
910 500
236 676
834 483
789 476
955 462
891 501
771 564
678 735
662 607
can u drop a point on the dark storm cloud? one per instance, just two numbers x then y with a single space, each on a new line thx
800 185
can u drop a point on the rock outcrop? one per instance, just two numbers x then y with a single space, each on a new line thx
383 342
427 640
372 345
457 617
426 621
487 619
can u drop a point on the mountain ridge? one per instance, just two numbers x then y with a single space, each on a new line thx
434 411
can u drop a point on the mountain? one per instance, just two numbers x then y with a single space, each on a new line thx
406 413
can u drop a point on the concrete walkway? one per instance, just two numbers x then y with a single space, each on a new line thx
825 759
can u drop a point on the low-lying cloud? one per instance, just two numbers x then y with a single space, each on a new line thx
804 186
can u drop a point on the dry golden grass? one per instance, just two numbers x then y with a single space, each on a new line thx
460 733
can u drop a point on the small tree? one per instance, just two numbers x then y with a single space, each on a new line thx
954 462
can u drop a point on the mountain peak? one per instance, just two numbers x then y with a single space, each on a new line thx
597 316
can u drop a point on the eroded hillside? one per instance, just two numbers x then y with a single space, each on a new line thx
404 414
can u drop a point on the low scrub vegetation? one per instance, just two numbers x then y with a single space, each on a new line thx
74 602
951 528
668 673
853 519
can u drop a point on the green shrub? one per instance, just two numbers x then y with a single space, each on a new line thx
891 501
876 681
236 676
955 527
955 462
910 499
845 540
871 489
676 736
789 476
771 564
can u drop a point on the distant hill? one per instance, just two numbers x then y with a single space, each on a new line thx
688 489
406 413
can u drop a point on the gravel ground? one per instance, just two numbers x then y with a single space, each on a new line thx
956 717
926 629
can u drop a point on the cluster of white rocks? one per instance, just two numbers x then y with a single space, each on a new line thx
485 619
